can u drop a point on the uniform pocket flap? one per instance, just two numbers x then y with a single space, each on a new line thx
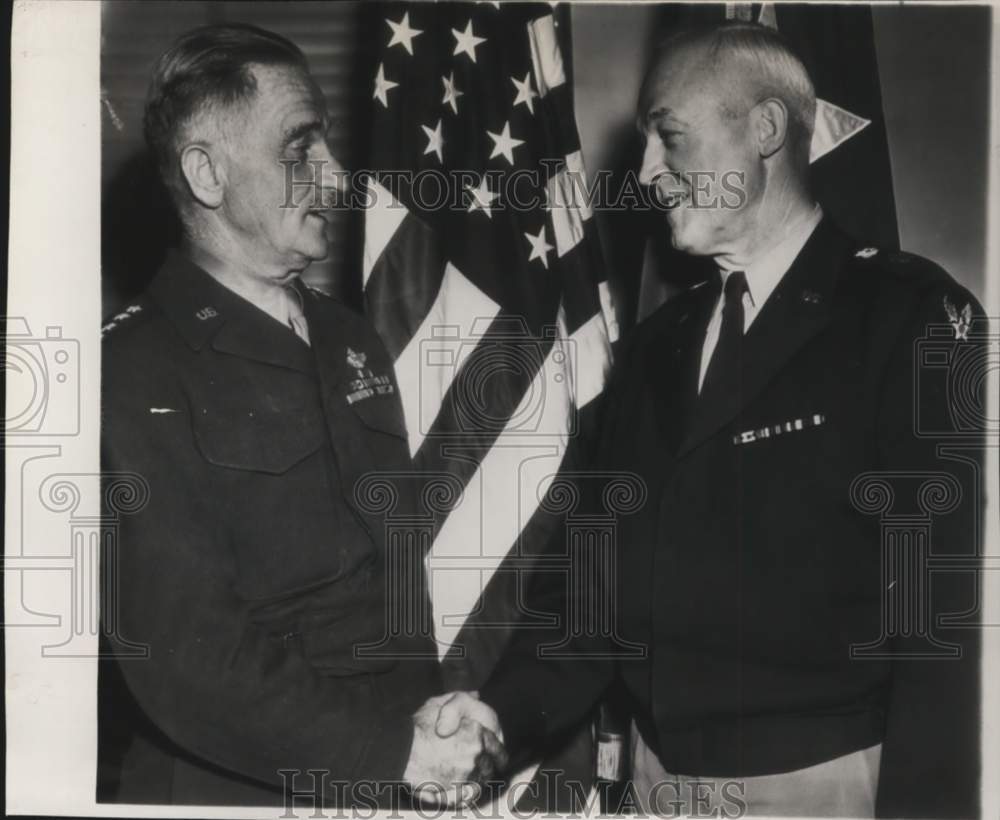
261 441
381 413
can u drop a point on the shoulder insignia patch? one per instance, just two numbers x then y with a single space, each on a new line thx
119 318
866 253
959 321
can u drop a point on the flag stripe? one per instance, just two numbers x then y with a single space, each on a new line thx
546 58
428 364
404 283
493 314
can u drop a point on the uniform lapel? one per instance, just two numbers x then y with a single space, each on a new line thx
798 309
204 311
673 358
328 346
251 334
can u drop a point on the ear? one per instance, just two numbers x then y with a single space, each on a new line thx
769 121
205 177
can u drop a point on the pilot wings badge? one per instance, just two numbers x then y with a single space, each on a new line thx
960 322
355 359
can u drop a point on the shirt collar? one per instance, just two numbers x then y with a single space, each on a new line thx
764 273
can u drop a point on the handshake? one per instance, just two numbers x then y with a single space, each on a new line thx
457 747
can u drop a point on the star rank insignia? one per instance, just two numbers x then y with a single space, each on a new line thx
960 322
118 318
866 253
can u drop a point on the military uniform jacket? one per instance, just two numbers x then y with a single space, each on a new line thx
759 565
256 572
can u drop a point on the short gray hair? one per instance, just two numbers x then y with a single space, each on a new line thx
206 69
769 64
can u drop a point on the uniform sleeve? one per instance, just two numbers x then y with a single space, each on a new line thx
538 699
217 684
930 753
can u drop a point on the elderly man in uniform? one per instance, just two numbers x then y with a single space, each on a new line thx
751 404
253 407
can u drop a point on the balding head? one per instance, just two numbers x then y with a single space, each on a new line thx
739 64
727 115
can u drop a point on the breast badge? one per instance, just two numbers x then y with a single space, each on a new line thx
367 384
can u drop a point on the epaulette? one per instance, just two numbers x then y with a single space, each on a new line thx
900 264
952 303
123 317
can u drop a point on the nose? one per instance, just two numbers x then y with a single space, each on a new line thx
652 161
333 176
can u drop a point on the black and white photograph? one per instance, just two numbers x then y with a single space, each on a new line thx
502 409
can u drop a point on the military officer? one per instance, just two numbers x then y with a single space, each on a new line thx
285 632
800 657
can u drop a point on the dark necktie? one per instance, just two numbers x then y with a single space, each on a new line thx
722 379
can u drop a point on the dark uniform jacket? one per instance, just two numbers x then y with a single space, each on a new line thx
256 572
758 570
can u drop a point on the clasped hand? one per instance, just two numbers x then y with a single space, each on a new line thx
457 746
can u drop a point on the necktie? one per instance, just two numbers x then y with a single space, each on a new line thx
296 318
723 374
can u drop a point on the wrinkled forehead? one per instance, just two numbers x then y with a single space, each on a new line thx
284 86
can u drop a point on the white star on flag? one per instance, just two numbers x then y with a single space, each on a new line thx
451 92
525 93
539 247
435 141
482 198
504 144
382 86
466 41
402 34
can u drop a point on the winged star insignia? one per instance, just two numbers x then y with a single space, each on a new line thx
960 322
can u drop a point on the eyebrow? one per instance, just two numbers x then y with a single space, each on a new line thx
657 114
301 130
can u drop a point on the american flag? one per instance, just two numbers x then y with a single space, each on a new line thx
483 273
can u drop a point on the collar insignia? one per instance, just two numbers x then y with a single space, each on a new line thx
866 253
960 322
207 313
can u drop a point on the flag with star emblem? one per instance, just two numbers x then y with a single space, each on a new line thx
483 274
852 175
